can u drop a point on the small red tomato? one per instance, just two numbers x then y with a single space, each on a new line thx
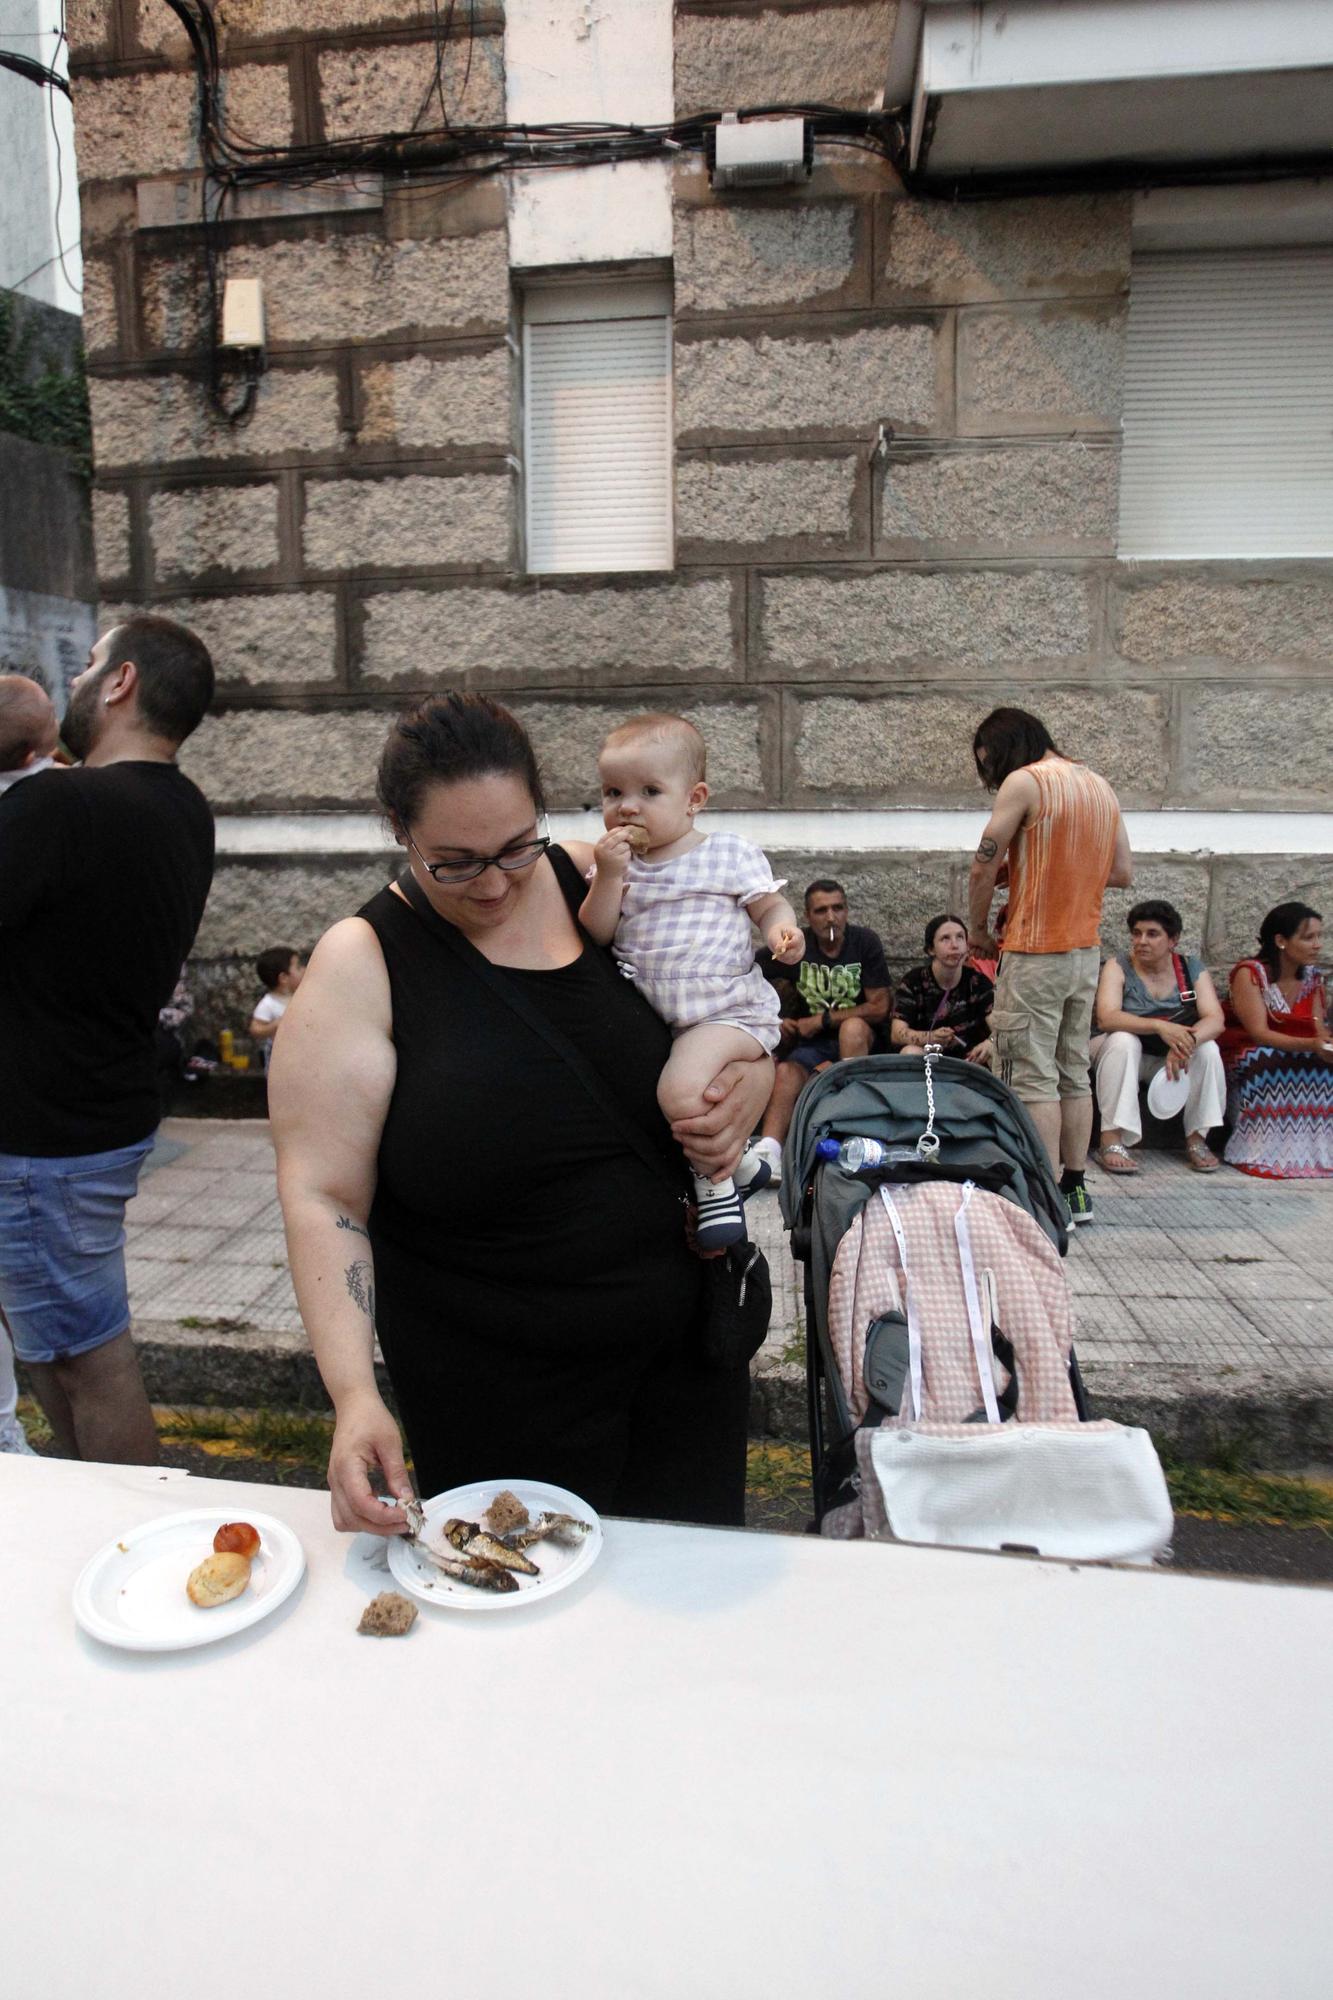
236 1538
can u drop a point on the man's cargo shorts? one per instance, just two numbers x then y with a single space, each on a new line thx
1041 1022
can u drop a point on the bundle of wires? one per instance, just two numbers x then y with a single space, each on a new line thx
443 155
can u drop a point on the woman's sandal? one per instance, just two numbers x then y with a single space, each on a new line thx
1114 1159
1201 1156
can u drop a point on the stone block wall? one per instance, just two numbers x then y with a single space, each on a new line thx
272 900
896 483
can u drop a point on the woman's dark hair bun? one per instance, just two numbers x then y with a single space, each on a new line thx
448 737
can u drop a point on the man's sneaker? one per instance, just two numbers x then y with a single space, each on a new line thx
760 1167
14 1438
755 1168
1079 1202
719 1217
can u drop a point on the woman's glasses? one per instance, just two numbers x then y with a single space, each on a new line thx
511 860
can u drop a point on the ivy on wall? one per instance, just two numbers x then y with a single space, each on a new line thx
40 398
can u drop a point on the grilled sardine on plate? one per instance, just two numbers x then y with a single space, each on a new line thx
480 1571
485 1560
563 1528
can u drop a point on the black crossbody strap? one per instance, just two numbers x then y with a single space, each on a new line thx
475 962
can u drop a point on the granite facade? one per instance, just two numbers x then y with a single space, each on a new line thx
898 430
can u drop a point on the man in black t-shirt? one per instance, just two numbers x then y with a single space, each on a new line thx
104 872
835 1005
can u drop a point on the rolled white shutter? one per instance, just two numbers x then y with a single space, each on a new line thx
597 427
1228 426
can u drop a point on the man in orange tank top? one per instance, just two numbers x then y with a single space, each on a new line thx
1060 826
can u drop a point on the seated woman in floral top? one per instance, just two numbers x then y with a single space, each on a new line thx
946 1000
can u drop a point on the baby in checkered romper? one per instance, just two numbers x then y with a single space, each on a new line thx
676 905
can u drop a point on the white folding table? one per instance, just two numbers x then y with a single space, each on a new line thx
723 1764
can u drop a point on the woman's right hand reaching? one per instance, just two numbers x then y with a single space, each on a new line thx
366 1441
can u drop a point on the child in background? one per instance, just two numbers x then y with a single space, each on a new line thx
28 729
677 905
281 971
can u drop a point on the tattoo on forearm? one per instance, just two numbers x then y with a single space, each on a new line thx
988 849
346 1222
360 1281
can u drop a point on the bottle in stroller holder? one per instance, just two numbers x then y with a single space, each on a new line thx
862 1154
859 1155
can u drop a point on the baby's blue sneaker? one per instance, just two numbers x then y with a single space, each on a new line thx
719 1217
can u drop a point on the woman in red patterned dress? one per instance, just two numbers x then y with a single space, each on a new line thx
1278 1054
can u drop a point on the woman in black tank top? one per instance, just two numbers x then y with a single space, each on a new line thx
536 1302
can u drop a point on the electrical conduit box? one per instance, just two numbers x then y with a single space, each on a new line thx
759 152
243 314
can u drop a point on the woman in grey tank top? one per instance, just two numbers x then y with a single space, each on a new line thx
1139 996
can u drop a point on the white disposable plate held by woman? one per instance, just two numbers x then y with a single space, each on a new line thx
132 1592
1167 1094
559 1563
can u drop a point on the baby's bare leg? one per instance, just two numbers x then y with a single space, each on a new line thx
696 1057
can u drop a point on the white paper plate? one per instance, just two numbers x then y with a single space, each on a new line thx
1167 1094
559 1566
132 1593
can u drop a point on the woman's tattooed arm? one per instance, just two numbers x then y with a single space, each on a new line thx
360 1281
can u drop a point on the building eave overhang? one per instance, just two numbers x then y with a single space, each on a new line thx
1037 91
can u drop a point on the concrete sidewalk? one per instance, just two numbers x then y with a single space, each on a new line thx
1204 1303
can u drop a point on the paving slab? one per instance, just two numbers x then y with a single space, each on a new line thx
1203 1303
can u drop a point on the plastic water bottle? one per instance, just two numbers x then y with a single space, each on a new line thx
853 1155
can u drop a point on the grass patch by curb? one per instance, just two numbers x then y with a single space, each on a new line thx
1255 1499
297 1437
776 1470
294 1437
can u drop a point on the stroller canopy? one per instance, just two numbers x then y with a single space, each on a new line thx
980 1124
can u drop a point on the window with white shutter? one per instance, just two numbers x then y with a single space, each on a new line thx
1228 426
597 426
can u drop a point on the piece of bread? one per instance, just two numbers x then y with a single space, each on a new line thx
507 1512
638 839
388 1616
218 1579
237 1538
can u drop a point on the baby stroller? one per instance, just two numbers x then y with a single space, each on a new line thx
945 1400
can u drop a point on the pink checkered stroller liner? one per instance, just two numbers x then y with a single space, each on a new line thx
1026 1279
1019 1288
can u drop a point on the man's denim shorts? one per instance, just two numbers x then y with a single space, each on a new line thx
62 1249
809 1055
